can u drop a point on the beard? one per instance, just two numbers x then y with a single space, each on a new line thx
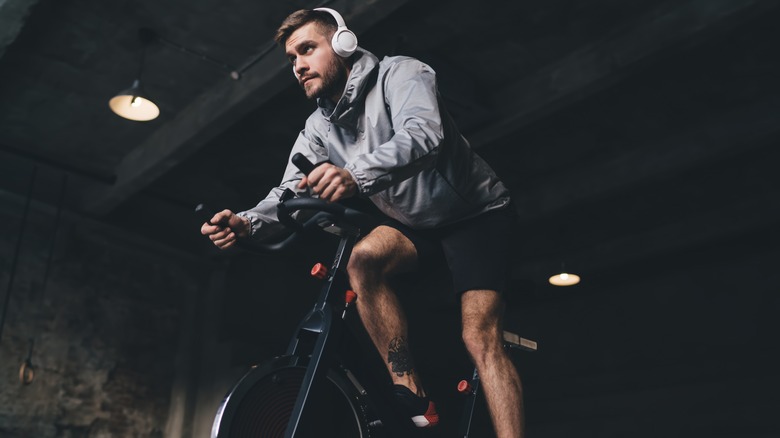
332 81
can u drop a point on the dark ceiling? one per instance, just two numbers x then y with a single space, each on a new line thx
627 131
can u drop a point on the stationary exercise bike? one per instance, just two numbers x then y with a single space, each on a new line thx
311 390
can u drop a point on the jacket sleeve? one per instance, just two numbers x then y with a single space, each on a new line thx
413 103
263 217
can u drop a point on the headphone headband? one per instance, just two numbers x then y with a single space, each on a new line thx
339 19
344 41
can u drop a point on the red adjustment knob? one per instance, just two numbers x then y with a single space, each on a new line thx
350 297
319 271
464 387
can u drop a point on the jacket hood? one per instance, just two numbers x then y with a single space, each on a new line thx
345 111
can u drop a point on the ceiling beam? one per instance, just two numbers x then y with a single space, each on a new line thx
735 132
212 112
596 67
13 14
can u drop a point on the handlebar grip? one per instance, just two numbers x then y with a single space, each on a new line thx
302 163
204 213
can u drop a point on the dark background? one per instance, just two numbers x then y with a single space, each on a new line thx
639 140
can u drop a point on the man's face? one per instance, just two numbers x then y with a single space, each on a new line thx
317 68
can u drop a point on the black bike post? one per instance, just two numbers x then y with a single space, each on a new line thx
319 320
468 411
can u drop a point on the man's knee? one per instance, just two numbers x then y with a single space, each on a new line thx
367 258
482 332
382 253
481 339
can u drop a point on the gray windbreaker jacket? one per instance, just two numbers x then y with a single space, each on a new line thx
391 132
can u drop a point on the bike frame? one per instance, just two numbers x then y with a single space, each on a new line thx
325 324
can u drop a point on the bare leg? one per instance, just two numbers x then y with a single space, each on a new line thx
483 335
385 252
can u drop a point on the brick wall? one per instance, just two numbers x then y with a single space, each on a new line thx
105 329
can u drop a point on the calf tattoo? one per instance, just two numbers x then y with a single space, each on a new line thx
398 355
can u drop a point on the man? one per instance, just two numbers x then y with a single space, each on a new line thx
382 129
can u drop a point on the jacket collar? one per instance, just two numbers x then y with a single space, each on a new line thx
346 110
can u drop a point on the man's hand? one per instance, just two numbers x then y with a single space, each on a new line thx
331 183
224 228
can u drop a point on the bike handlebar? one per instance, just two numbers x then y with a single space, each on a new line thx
338 212
328 213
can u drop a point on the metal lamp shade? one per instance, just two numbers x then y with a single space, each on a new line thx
132 105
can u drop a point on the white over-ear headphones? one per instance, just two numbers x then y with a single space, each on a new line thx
344 41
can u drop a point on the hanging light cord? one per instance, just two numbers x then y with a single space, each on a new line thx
57 217
17 250
27 369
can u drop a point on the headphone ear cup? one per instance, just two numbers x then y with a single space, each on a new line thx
344 42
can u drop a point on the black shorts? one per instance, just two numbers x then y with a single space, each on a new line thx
477 251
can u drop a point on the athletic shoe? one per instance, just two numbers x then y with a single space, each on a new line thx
421 410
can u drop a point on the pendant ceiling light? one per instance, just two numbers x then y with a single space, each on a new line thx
564 278
132 103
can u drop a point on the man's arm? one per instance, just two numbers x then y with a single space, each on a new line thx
262 217
261 222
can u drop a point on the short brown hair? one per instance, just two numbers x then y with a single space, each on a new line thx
326 23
